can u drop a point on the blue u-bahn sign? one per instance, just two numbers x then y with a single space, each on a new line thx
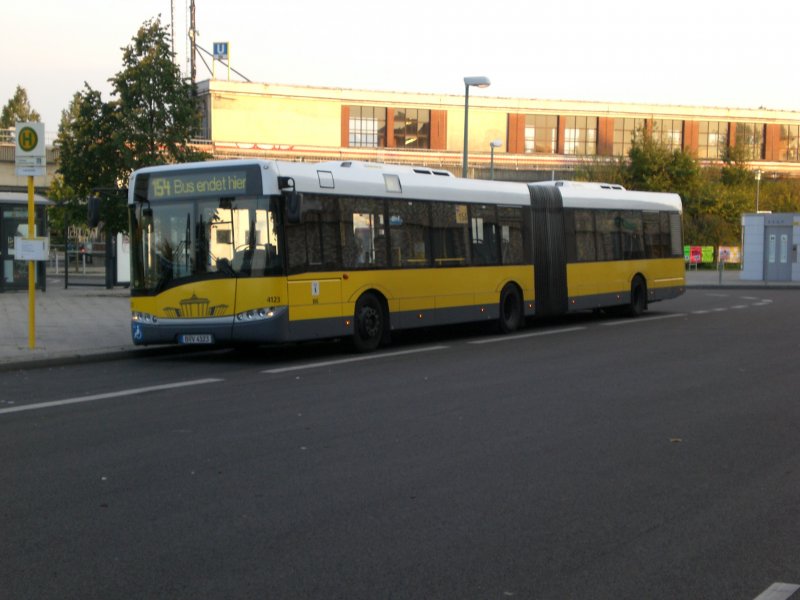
220 50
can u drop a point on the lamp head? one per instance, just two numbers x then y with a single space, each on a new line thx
478 81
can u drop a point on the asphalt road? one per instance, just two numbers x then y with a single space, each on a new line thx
587 457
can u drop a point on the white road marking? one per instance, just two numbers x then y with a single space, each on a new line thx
342 361
642 320
778 591
117 394
511 338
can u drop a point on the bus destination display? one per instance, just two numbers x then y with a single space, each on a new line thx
194 184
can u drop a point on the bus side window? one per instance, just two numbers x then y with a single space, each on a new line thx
450 247
409 233
314 243
363 232
483 235
653 246
510 219
584 235
632 234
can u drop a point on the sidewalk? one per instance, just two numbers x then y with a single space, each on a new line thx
713 278
89 323
70 324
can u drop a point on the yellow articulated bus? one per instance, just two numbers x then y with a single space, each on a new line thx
263 251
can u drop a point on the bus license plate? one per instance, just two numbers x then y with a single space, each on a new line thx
196 338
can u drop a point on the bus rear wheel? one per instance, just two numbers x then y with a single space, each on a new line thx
511 314
638 297
369 323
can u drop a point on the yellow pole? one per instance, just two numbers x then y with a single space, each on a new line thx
31 272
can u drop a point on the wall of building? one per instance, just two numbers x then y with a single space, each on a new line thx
485 125
299 123
273 119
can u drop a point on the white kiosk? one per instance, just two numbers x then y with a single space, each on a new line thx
770 247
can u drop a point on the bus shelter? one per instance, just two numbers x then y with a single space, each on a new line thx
13 227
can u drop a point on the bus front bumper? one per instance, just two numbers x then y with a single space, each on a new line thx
265 327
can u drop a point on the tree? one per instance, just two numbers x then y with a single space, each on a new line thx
653 166
90 158
735 171
150 122
18 109
158 112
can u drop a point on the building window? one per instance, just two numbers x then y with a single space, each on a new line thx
669 132
750 137
580 136
625 131
541 134
713 139
367 127
790 143
412 128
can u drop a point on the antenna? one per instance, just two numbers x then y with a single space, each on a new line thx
192 42
172 25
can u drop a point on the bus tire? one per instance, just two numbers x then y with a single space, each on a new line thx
369 323
638 297
511 312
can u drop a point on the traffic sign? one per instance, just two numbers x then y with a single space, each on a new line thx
30 156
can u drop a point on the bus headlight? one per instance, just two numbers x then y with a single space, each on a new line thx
143 317
257 314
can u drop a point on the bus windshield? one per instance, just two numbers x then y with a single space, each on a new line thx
174 241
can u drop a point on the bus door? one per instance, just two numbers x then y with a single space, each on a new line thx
549 251
314 271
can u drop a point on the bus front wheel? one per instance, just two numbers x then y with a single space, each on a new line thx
369 323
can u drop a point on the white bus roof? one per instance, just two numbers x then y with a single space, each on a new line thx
357 178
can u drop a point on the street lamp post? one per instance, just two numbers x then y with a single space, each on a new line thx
481 82
758 187
493 144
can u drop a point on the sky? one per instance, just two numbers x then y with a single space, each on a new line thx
677 52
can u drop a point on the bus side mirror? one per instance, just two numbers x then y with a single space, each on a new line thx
294 206
93 211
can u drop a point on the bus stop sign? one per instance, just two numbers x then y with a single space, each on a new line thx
30 151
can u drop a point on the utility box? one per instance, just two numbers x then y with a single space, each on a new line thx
770 247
